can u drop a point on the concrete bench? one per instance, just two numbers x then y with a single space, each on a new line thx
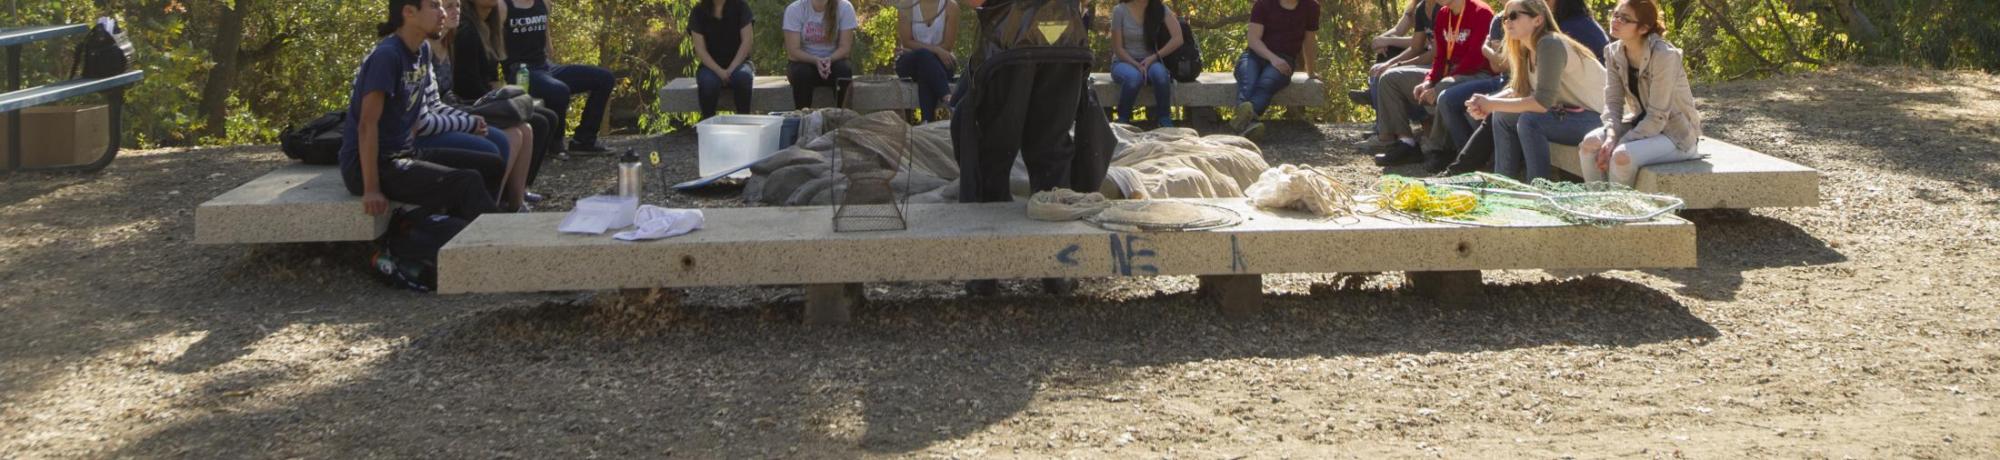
773 94
1732 177
293 204
797 246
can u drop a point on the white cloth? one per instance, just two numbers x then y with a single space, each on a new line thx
654 222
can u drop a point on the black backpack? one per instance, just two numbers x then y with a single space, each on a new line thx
316 143
103 53
1185 63
407 254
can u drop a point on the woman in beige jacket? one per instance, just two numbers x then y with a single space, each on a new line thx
1649 115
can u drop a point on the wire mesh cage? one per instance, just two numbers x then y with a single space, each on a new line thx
871 153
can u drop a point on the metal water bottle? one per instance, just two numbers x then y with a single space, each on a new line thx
628 174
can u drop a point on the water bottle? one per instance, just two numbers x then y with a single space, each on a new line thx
521 76
628 174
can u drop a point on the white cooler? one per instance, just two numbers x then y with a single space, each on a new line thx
731 141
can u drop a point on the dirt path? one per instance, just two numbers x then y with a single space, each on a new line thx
1866 327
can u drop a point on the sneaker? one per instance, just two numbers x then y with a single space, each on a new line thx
1399 154
1255 131
982 288
533 197
582 146
1373 143
1359 97
1058 286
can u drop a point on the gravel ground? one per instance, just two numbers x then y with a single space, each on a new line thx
1864 327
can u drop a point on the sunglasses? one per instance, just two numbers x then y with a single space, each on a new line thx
1625 18
1512 15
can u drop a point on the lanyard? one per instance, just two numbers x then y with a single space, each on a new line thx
1456 27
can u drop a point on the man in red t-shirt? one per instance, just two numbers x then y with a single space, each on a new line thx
1282 34
1457 33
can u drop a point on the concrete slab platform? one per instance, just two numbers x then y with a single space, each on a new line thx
774 94
796 245
295 203
1732 177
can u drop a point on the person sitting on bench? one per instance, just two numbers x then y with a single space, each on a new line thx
1554 93
925 43
376 160
1649 115
1135 63
1459 32
721 32
475 51
512 143
1283 37
1409 64
527 42
818 36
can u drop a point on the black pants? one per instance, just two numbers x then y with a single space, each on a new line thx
547 138
804 77
1026 110
451 182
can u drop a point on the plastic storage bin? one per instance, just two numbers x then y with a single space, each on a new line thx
730 141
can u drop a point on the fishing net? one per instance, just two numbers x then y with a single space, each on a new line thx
1306 189
1489 199
1164 216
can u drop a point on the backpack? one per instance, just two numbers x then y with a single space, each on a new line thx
316 143
1039 31
1185 62
407 253
105 52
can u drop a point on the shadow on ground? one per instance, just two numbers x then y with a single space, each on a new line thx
549 381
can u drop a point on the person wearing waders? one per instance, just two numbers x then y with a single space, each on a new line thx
1027 93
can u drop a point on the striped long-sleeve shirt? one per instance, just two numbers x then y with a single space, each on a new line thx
436 116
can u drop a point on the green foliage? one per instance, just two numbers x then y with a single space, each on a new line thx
299 57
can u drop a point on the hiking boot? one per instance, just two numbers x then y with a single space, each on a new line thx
1435 161
1255 131
1399 154
1245 114
586 147
1058 286
982 288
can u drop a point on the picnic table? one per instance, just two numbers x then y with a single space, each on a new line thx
16 98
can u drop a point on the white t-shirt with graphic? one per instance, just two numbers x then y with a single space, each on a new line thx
811 26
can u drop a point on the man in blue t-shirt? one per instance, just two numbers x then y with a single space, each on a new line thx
376 161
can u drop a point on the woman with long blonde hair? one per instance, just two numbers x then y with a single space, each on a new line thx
1554 92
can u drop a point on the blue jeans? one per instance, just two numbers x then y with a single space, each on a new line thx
555 85
1257 80
495 143
1451 107
708 88
933 79
1521 140
1129 81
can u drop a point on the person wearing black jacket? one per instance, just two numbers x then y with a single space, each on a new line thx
1023 95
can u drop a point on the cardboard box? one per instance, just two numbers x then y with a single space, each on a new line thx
60 135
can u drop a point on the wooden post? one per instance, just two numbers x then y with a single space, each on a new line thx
1237 296
1451 286
831 304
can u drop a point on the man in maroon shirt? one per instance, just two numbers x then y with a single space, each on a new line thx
1457 33
1282 38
